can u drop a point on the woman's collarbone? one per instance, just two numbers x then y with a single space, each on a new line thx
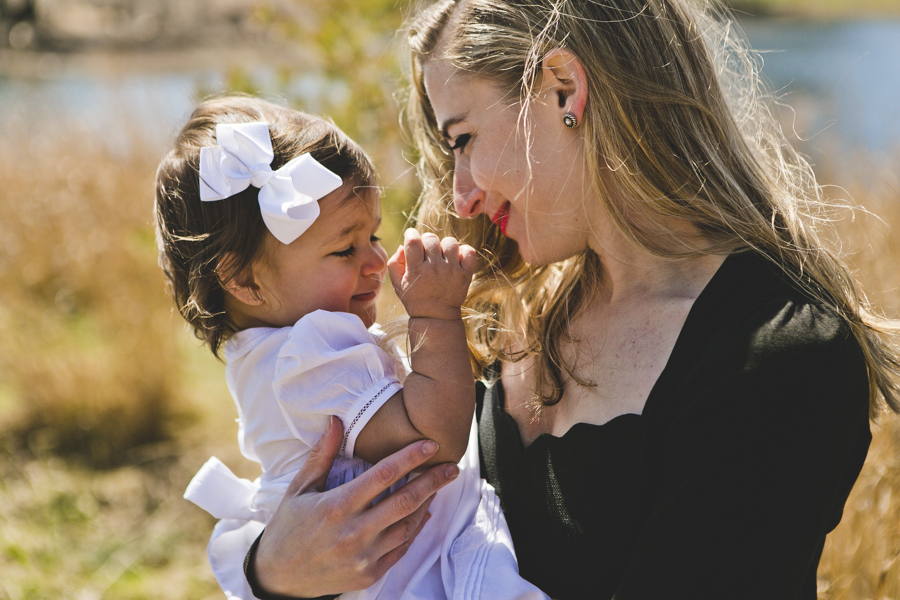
616 368
610 394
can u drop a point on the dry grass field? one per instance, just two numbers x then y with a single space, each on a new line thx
861 560
108 407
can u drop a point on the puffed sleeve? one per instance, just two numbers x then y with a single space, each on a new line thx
331 365
757 464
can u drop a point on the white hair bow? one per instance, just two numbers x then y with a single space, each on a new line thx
288 197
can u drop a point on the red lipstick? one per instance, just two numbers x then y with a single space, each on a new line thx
501 217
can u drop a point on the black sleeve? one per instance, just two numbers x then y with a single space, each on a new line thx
250 574
757 465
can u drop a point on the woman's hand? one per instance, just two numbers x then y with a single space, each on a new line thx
322 542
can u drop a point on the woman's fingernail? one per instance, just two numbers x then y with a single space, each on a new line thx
429 448
451 471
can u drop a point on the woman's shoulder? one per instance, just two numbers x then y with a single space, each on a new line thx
800 350
753 303
757 338
783 327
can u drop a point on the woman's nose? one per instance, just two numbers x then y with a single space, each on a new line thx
468 198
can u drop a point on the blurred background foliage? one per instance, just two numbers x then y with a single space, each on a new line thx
107 405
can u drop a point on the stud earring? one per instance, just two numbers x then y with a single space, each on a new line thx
570 121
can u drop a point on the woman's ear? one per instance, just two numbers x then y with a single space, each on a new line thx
564 78
241 285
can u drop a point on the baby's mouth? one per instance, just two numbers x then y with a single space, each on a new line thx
366 297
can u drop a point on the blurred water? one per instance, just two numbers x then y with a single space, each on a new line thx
843 78
141 107
119 110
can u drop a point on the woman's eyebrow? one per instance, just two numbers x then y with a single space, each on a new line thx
446 125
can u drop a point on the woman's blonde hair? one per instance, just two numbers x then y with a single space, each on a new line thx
676 124
194 236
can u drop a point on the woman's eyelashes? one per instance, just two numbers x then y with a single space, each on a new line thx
460 142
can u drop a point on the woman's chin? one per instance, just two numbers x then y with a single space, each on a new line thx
534 257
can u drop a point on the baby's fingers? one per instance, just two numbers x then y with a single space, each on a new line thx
468 258
450 248
413 248
397 266
432 245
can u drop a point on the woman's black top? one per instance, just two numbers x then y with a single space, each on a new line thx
725 486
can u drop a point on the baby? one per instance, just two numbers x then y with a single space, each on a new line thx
267 221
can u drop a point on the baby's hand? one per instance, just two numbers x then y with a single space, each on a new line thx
431 276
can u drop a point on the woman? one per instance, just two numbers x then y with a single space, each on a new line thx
683 371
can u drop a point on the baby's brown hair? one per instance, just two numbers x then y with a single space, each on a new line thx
195 236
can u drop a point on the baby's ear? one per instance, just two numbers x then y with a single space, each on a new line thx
240 285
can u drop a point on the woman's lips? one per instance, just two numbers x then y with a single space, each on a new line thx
501 217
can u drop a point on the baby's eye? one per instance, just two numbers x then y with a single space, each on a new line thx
374 239
345 253
461 141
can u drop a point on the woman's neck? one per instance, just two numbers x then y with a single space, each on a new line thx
630 272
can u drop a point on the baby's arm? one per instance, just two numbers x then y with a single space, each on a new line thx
431 278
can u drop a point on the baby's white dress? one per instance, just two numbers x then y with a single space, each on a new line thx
286 383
